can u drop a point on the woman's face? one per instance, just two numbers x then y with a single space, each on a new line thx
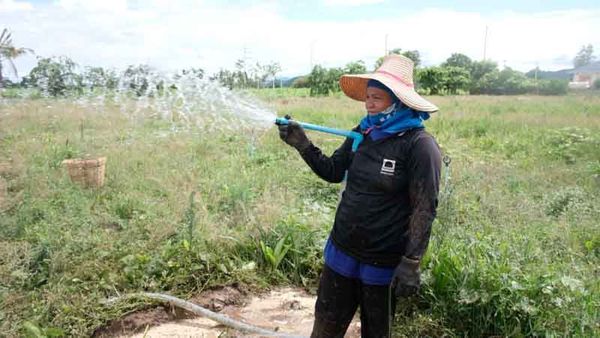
377 100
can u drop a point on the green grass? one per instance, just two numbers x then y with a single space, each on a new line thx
515 249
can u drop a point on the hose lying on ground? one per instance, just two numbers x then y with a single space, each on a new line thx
204 312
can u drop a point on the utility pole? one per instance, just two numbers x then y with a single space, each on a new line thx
485 43
312 50
246 52
386 48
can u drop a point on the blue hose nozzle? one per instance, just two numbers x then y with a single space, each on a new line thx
355 136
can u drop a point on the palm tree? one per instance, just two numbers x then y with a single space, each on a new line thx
9 52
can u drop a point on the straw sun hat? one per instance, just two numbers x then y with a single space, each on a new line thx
396 73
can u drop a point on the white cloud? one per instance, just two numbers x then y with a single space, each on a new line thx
12 5
332 3
104 5
174 35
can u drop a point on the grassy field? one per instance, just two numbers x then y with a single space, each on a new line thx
515 249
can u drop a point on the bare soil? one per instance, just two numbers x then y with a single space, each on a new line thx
286 310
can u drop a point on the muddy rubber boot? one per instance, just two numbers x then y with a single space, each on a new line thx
377 307
337 301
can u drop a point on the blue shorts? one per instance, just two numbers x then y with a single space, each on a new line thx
350 267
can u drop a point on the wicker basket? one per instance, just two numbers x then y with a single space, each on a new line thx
87 173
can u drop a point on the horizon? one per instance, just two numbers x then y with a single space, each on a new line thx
331 33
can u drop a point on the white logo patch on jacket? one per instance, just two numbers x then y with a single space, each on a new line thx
388 167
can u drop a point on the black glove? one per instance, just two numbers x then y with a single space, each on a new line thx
293 134
407 278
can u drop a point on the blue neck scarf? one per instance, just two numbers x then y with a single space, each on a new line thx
395 119
384 124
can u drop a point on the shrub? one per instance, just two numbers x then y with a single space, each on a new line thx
300 82
10 93
552 87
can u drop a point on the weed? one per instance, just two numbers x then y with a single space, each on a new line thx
275 256
568 199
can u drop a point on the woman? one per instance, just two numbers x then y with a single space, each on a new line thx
383 221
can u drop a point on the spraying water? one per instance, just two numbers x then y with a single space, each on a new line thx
186 100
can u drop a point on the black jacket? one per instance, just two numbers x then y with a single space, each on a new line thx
390 199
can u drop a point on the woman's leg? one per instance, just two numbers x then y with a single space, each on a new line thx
376 311
337 301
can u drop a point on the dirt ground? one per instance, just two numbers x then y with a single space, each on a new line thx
285 310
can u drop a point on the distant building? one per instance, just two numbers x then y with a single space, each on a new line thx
585 76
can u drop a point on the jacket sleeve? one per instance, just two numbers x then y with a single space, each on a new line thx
425 163
330 168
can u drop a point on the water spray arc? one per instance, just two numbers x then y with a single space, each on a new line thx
355 136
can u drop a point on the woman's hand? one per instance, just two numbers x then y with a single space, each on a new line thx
294 135
407 278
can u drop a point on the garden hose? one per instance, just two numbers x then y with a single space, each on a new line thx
356 137
199 310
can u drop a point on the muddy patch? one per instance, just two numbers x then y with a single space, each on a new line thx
285 310
139 321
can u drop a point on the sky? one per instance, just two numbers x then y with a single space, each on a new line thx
171 35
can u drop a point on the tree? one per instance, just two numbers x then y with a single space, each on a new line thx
193 72
138 79
324 81
356 67
433 79
478 70
333 79
225 77
414 55
241 75
317 81
272 69
458 60
98 77
457 79
258 74
9 52
54 76
584 57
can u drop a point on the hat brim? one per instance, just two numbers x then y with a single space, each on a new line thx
355 87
